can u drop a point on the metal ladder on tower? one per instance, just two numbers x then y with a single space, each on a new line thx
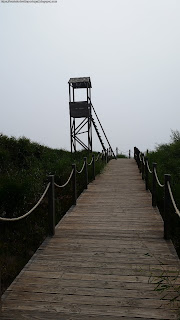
98 133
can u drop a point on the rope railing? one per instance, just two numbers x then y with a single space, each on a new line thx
144 169
30 211
73 175
143 160
53 184
66 183
89 164
150 171
83 166
157 179
172 199
101 156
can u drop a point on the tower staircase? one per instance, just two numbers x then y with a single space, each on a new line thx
98 133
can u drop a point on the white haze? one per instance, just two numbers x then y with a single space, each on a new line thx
129 48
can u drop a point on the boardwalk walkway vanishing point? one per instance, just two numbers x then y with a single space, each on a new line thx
104 260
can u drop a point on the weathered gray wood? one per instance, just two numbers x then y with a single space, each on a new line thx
104 261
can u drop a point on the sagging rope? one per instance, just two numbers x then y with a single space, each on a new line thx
148 167
172 199
143 161
30 211
155 172
89 164
99 157
64 185
81 168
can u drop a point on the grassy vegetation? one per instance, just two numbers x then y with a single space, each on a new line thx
167 157
121 156
24 170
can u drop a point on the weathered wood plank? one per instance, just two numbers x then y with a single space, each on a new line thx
60 316
36 315
90 309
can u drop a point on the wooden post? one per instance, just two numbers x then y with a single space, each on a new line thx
106 156
51 207
116 152
94 169
154 185
86 173
142 166
146 173
102 155
167 201
140 163
74 184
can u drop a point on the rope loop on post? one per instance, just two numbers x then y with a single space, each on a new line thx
172 199
64 185
30 211
157 179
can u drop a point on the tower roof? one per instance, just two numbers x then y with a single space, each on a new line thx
84 82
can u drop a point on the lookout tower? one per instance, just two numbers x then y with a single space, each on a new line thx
81 119
80 110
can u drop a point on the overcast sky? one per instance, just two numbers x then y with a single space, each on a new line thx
129 48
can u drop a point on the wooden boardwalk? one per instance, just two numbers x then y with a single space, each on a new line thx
103 261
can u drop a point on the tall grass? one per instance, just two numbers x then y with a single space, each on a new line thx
24 170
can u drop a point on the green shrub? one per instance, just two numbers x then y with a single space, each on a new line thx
122 156
167 157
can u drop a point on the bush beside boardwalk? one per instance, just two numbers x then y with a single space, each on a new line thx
24 168
167 157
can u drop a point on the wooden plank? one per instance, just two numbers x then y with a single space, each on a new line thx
131 310
59 300
48 315
74 289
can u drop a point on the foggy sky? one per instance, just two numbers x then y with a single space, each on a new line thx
129 48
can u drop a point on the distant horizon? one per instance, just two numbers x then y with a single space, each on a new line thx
126 152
